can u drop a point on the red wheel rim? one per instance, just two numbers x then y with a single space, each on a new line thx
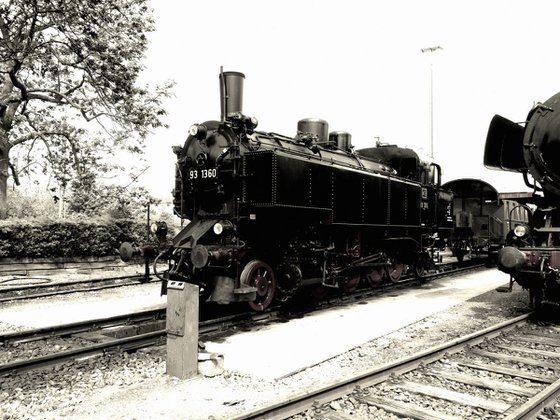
375 277
350 283
395 270
258 274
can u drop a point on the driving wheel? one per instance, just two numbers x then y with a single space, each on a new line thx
258 274
350 283
395 270
375 276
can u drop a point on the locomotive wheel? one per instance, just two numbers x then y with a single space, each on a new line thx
419 269
375 276
288 280
421 265
395 270
350 283
259 274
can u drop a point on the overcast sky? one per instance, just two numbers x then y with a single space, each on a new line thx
358 65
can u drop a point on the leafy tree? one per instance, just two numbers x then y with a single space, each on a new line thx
42 205
92 199
68 65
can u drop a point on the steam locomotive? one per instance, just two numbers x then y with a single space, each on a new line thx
270 213
532 257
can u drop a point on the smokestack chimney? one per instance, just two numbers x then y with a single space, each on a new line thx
231 93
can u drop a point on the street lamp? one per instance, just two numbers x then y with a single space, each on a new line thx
431 50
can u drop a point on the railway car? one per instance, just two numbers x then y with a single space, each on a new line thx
532 149
271 213
482 218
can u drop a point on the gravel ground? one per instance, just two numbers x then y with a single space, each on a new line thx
134 386
6 327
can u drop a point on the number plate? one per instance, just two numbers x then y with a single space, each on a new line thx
209 173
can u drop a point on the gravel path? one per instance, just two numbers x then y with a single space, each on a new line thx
134 386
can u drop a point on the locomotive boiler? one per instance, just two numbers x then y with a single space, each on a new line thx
271 213
532 149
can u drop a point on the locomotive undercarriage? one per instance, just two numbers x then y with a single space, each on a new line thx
228 269
534 259
539 273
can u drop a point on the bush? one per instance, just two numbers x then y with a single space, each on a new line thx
50 239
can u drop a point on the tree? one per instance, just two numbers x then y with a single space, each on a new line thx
66 65
92 199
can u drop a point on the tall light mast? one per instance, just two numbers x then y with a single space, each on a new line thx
431 50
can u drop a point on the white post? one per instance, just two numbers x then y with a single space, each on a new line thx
182 329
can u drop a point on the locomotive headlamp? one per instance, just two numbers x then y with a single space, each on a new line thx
198 130
520 231
254 122
159 228
222 226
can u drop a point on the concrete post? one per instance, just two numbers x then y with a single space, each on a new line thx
182 329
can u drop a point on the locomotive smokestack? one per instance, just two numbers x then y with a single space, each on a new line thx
231 93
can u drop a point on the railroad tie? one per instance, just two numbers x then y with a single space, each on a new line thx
508 371
403 409
481 382
454 396
515 359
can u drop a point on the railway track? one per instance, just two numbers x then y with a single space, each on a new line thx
45 288
508 371
147 328
114 334
151 315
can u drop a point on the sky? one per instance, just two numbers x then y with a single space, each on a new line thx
359 66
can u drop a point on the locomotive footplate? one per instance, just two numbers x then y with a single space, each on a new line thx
245 293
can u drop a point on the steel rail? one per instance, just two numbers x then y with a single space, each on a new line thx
5 288
121 344
206 327
81 326
302 402
67 288
532 407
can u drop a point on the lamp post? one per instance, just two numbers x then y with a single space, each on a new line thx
431 50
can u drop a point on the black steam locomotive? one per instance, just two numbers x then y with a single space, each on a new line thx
271 213
533 255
